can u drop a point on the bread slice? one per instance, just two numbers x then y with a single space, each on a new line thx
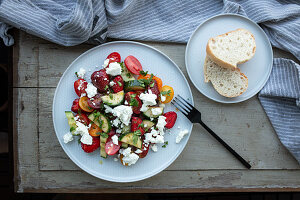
232 48
227 82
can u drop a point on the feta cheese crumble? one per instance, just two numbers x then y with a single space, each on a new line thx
81 73
154 147
162 98
114 69
111 83
68 137
105 64
149 99
116 159
91 90
156 111
181 135
129 157
161 122
84 132
122 112
138 151
115 139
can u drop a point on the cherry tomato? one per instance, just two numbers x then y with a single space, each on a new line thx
136 125
114 57
168 93
112 132
80 86
145 151
170 119
83 104
133 65
94 130
83 118
111 148
75 105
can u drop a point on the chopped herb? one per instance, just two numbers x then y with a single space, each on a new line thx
136 135
164 93
141 125
111 96
119 83
98 133
104 135
145 82
76 74
165 145
79 142
133 102
91 122
72 129
128 75
133 95
79 111
143 73
106 87
135 139
89 108
152 84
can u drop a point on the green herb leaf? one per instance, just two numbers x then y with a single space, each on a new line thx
166 142
106 87
143 73
141 125
152 84
79 142
119 83
76 74
104 135
135 139
72 129
164 146
164 93
98 133
128 75
89 108
111 96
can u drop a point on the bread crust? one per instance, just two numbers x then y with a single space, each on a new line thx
222 62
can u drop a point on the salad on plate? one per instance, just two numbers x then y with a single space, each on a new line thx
121 111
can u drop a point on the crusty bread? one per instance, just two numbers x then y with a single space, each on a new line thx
232 48
227 82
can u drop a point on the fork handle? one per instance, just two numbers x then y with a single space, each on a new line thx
242 160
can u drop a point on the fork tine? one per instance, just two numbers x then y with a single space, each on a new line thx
179 108
183 103
186 101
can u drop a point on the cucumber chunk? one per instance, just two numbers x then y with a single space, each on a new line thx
148 113
128 139
126 75
114 99
134 85
71 122
101 121
148 124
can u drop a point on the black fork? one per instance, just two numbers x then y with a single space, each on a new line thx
195 117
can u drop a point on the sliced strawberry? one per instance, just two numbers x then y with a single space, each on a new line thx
75 106
134 100
118 84
100 80
111 148
90 148
83 118
144 151
170 119
137 124
154 88
80 85
95 102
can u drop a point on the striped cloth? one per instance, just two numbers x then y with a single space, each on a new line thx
69 22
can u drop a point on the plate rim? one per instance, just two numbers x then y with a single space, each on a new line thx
258 88
74 160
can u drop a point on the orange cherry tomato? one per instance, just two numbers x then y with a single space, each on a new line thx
169 93
83 104
94 130
158 80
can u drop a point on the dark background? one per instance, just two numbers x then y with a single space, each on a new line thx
6 159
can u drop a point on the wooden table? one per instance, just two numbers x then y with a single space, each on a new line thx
204 166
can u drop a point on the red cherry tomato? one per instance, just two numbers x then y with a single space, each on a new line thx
114 57
112 132
133 65
144 151
80 85
83 118
75 105
111 148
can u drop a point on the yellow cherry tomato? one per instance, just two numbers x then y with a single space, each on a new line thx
168 93
83 104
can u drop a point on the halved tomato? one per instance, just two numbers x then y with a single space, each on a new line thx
111 148
84 105
133 65
83 118
114 57
80 85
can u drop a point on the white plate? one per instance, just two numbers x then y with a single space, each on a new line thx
155 62
257 69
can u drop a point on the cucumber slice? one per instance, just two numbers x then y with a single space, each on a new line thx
101 121
103 153
126 75
128 139
71 122
126 129
124 145
148 124
114 99
148 113
134 85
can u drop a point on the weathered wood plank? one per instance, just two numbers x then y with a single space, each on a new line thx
250 133
185 181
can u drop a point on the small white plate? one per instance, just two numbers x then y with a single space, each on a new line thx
257 69
153 61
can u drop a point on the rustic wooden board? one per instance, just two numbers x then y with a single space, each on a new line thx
204 166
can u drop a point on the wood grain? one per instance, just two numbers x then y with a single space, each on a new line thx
204 166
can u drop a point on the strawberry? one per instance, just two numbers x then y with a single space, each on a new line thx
154 88
137 124
83 118
134 100
100 79
75 106
144 151
112 132
118 84
90 148
170 119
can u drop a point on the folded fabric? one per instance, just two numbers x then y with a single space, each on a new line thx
69 22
